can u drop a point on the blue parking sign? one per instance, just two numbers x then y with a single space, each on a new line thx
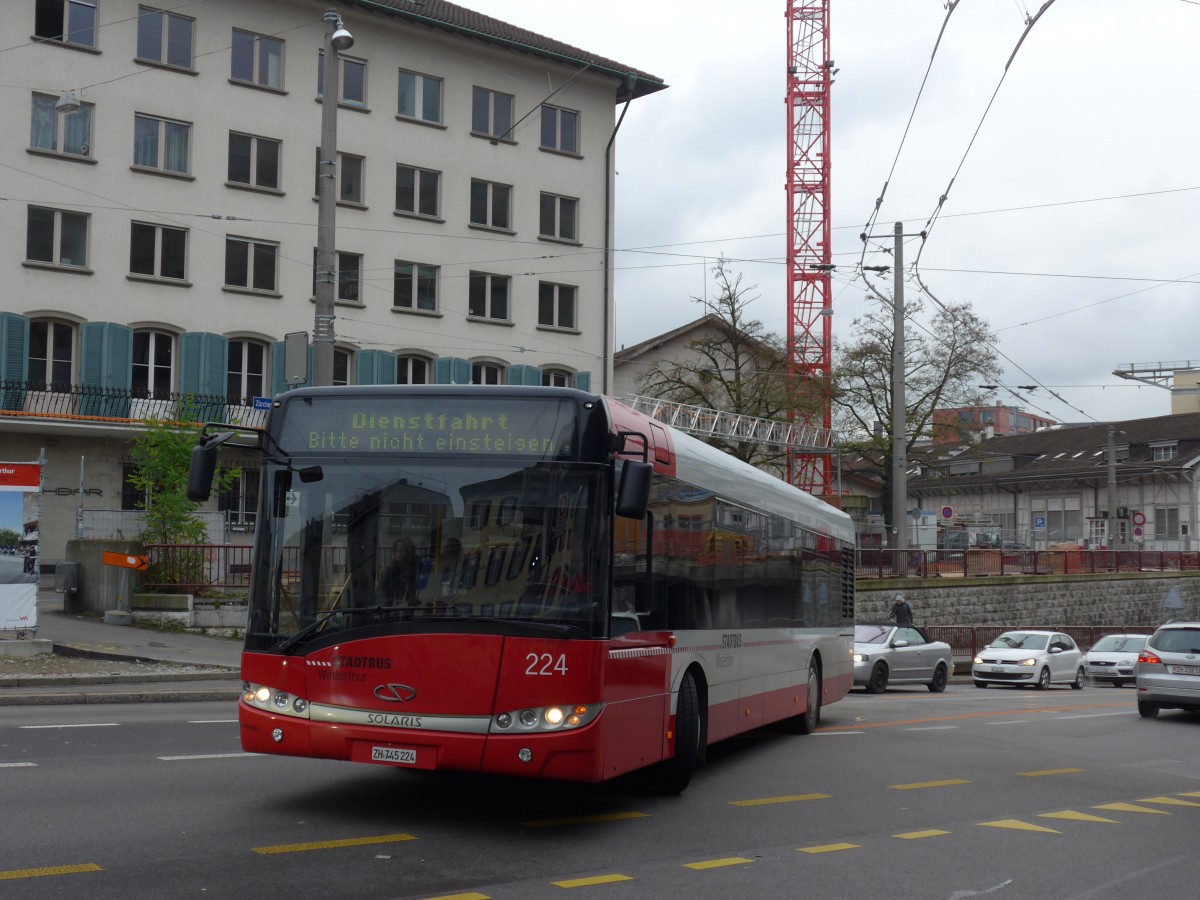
1039 523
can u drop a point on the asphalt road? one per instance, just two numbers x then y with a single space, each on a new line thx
999 792
12 570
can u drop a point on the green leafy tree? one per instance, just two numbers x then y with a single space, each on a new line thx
161 457
9 538
944 361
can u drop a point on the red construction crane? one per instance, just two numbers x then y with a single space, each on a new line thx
810 329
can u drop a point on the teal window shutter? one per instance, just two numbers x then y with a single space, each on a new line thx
516 374
533 375
106 369
14 360
376 367
277 385
452 370
441 370
461 370
203 361
583 381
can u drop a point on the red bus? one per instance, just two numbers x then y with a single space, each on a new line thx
527 581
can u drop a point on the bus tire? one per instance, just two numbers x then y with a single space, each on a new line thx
677 771
807 721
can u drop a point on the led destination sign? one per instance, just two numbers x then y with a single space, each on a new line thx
430 426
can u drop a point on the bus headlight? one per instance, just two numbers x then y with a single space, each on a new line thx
269 699
565 717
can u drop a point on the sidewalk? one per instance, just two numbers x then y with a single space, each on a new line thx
76 635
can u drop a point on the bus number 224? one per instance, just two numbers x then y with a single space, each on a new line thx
545 664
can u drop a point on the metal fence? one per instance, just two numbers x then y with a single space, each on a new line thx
82 401
964 563
967 640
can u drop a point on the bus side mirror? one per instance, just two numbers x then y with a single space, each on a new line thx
633 493
203 466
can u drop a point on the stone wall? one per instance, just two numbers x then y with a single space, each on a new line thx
1138 598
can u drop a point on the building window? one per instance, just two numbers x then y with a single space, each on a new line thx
341 367
486 373
349 178
56 237
1166 523
131 497
256 59
415 286
349 275
157 251
1163 454
239 501
556 305
412 370
164 38
560 129
60 132
153 368
246 373
491 113
418 191
488 296
251 264
161 144
253 161
352 80
490 204
556 378
51 352
420 97
558 216
69 21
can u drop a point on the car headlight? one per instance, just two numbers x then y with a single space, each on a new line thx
546 718
978 661
861 657
270 699
1032 661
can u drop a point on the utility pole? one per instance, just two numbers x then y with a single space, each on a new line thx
899 462
1112 488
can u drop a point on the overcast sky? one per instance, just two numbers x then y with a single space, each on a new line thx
1099 102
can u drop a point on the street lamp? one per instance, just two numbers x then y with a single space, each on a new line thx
337 38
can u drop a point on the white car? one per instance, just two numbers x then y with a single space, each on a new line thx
1038 658
1113 657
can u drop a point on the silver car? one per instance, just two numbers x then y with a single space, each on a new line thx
1112 658
1038 658
1168 670
899 654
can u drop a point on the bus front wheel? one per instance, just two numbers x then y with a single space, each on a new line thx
677 771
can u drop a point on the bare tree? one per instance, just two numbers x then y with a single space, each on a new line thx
944 361
732 364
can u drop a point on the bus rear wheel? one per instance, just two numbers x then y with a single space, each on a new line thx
677 771
807 721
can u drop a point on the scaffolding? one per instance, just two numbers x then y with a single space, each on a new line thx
795 437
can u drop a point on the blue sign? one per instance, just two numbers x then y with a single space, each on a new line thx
263 403
1039 523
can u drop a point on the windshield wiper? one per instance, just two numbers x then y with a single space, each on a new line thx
315 625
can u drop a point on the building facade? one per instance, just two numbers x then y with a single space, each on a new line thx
159 240
960 425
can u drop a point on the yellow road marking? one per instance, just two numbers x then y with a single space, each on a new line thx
1050 772
794 798
975 715
1076 817
333 845
1018 825
717 863
587 882
915 835
1168 801
584 820
12 874
1129 807
1190 794
927 784
471 896
827 848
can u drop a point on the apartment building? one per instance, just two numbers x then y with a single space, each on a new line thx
159 231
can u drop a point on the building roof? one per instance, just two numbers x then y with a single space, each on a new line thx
625 354
1071 451
467 23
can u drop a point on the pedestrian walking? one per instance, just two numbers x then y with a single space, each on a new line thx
901 611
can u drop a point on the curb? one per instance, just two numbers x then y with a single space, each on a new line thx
30 681
163 696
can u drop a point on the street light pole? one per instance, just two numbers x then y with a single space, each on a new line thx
336 38
899 461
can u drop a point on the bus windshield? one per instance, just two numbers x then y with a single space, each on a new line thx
360 546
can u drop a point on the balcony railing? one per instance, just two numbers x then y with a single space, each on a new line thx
86 403
870 563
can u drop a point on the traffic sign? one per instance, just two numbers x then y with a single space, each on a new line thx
126 561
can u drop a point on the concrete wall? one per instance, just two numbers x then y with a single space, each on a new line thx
1124 599
101 588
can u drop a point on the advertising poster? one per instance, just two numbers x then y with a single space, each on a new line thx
18 553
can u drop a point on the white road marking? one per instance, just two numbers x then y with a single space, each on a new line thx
210 756
836 733
1094 715
934 728
22 765
1012 722
80 725
212 721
